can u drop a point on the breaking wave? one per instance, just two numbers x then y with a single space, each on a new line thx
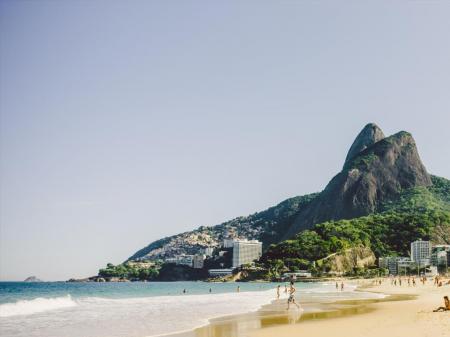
40 304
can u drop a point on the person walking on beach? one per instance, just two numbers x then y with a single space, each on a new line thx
342 286
291 298
337 286
238 289
278 292
285 289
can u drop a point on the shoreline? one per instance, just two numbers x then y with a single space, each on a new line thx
399 310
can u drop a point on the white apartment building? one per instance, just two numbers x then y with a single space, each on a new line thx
421 252
246 252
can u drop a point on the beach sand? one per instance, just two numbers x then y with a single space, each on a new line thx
406 312
412 317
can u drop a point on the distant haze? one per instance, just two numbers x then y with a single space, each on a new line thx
124 122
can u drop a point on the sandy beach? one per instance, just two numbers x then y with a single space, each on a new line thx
413 317
407 311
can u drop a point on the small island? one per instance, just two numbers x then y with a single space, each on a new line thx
32 279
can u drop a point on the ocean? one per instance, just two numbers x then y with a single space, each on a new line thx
138 309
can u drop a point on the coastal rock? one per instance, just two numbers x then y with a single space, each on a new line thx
32 279
347 261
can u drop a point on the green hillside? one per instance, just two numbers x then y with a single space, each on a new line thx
416 213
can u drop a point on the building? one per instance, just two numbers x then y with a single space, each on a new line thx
439 255
208 251
246 252
186 260
296 275
198 261
395 264
403 264
219 272
229 242
421 252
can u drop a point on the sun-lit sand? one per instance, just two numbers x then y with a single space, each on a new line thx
408 312
414 317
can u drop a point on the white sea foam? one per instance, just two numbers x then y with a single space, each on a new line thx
27 307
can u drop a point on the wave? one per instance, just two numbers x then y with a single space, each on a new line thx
40 304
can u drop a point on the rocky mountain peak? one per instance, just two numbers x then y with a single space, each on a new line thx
368 136
374 172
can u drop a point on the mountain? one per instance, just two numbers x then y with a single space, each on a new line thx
368 136
380 171
380 174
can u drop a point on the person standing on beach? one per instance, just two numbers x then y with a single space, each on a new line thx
278 292
337 286
285 289
291 298
342 286
238 289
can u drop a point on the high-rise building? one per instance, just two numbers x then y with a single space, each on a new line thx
421 252
246 252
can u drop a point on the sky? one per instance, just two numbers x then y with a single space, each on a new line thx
125 122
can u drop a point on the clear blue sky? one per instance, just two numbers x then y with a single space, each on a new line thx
123 122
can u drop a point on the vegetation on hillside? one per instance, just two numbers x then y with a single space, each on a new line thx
418 213
130 271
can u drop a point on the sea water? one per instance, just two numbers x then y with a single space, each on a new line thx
138 309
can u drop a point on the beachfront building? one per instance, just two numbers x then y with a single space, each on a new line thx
186 260
395 264
219 272
439 254
245 251
198 261
294 276
421 252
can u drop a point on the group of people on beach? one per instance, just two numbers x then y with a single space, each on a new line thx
411 280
